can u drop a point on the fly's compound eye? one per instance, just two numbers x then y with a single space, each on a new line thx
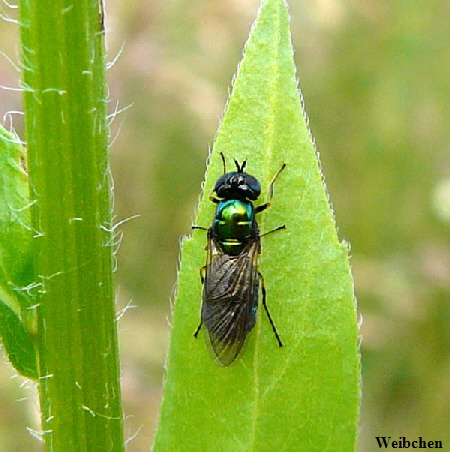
252 187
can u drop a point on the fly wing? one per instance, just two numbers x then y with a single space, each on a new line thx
230 299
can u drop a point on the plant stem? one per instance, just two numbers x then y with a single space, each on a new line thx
65 111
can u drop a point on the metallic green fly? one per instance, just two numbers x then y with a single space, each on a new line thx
230 277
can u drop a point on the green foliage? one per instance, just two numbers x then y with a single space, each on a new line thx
308 391
374 79
14 209
15 255
17 342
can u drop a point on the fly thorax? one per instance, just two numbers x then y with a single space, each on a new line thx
233 224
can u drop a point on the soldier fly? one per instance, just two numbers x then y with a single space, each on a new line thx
230 277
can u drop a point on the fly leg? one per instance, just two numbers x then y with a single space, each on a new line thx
263 289
198 329
199 227
202 278
267 204
203 274
273 230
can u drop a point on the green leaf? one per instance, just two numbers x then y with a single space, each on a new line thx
305 394
17 342
15 256
16 236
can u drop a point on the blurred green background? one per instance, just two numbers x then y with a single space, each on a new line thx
375 81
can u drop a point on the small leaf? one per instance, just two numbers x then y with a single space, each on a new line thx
15 256
306 394
16 237
17 342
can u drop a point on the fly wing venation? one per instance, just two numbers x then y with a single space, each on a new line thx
230 300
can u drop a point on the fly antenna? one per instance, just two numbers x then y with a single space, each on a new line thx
240 168
224 163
